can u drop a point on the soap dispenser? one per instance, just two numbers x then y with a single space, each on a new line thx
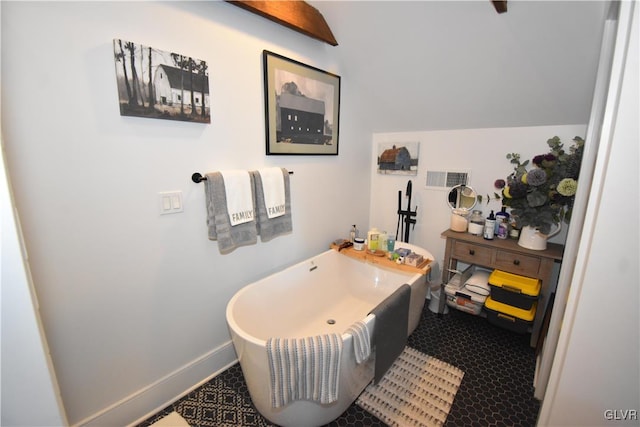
353 233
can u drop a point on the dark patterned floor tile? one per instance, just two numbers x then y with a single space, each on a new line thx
497 388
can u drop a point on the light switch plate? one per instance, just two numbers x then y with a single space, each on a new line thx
170 202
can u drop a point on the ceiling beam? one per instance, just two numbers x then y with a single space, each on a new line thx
500 5
297 15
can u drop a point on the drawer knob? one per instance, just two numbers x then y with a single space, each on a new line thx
472 252
516 262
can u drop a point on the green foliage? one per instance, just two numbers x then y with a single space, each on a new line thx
537 202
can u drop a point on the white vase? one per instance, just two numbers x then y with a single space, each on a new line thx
533 239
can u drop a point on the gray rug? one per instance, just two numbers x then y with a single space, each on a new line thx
418 390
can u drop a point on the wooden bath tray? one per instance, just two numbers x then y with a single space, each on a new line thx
383 261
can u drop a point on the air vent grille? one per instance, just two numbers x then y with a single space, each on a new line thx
446 179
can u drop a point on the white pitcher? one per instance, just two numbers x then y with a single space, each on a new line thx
533 239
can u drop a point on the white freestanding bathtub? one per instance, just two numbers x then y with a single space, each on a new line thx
324 294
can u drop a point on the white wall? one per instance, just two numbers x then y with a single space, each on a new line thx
132 302
595 378
26 370
480 151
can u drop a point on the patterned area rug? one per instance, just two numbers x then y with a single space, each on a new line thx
418 390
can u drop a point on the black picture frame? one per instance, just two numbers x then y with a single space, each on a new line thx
302 107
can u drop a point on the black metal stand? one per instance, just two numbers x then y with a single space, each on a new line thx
406 217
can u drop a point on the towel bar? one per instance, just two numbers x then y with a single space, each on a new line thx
198 178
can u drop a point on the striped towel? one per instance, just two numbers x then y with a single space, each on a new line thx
304 368
361 340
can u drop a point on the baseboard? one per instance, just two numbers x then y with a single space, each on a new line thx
151 399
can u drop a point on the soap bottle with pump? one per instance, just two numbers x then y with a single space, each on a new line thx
353 233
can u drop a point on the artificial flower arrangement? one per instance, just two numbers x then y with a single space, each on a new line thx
543 196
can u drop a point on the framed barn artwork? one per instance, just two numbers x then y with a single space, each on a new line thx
157 84
302 107
398 158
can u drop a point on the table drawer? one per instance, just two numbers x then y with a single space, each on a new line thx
474 254
517 263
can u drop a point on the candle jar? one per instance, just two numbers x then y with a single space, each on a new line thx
459 219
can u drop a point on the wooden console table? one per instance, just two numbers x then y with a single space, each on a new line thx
505 255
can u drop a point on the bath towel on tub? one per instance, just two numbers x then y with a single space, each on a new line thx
390 329
304 368
361 340
271 227
218 223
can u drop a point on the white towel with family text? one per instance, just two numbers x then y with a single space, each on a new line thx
239 193
273 190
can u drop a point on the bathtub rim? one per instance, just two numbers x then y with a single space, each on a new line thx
233 325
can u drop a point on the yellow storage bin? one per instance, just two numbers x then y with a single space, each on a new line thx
518 291
510 317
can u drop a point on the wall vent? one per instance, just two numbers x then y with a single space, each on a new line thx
443 180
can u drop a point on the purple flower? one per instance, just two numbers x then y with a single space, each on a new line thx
536 177
500 183
549 160
544 160
517 190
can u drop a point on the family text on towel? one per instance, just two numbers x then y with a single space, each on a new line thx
242 205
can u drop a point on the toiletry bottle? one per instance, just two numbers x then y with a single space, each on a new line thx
372 239
500 216
514 231
391 243
353 233
382 241
503 227
476 223
490 226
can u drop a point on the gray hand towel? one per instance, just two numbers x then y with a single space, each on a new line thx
220 229
274 227
390 329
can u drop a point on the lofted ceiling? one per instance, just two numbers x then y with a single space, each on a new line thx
426 65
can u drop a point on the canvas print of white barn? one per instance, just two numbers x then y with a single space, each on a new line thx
158 84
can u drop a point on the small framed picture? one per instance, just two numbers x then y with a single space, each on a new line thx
398 158
302 107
